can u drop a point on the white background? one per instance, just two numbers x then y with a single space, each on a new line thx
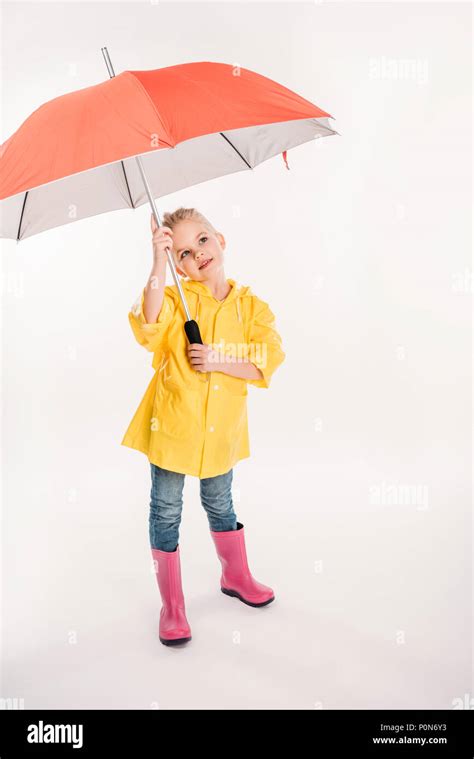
356 498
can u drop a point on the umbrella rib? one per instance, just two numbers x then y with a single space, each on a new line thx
233 146
21 217
126 182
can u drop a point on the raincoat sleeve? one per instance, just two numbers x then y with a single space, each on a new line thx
151 334
264 344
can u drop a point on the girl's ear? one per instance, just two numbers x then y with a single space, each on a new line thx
221 239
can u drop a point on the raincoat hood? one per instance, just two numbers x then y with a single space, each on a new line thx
202 291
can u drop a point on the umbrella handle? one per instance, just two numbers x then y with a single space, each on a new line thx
192 331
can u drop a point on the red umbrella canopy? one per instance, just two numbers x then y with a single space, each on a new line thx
73 157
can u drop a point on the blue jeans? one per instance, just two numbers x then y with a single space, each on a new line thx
166 504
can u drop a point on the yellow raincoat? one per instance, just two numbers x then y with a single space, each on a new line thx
194 422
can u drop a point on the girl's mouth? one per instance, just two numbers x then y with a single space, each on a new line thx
206 263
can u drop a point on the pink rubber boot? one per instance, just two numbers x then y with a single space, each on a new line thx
174 626
236 579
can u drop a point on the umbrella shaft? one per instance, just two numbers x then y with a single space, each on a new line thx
158 221
111 71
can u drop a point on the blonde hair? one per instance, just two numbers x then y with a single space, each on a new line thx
171 219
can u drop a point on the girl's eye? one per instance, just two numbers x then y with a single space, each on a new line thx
187 251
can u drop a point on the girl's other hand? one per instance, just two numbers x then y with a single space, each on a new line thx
161 239
204 358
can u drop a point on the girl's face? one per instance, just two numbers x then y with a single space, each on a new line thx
193 245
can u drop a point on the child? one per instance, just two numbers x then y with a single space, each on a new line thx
193 416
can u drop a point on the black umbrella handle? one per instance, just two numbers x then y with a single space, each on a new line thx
192 331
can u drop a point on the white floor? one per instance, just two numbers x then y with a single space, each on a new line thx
372 605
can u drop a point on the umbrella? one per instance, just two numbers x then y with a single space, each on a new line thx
142 135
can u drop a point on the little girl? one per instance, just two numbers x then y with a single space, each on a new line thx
193 416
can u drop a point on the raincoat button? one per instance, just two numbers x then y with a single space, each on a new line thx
211 429
216 387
